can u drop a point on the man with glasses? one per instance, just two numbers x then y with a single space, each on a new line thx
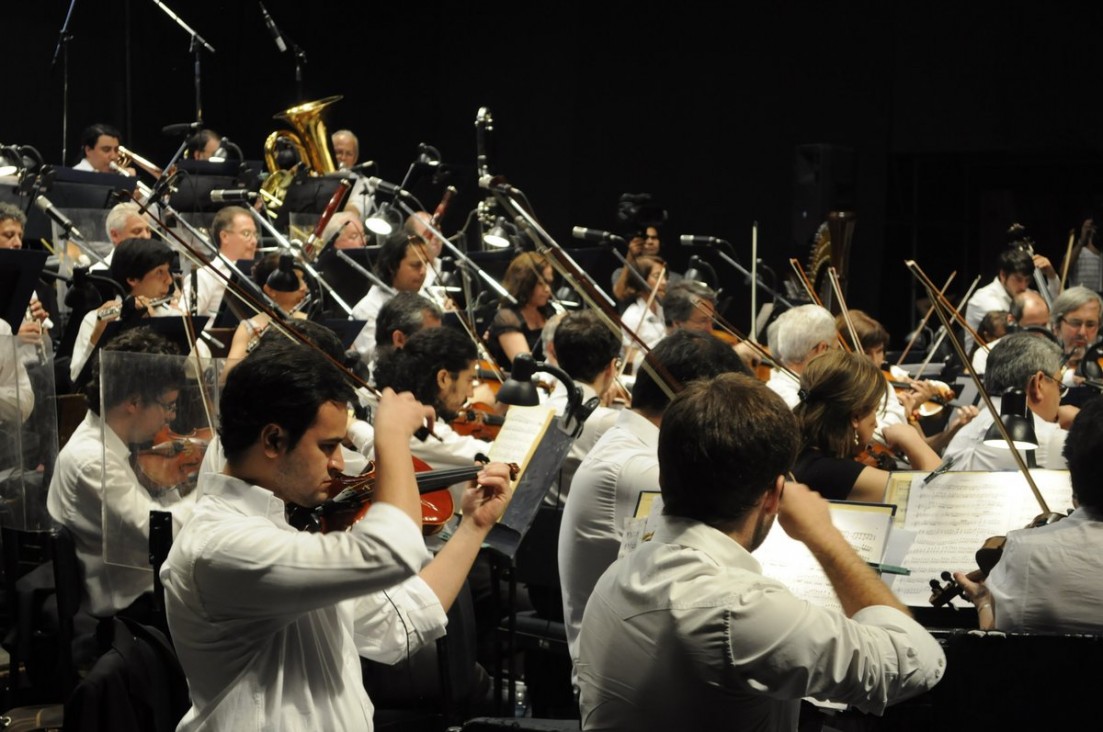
1075 322
235 232
1030 364
138 398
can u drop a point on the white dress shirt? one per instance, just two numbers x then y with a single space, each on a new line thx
649 326
83 348
1047 579
210 289
785 386
368 310
970 453
604 492
686 633
268 621
16 395
599 421
993 296
94 493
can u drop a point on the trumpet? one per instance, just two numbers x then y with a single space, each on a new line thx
129 157
143 189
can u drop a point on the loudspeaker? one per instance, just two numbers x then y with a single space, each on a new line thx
823 180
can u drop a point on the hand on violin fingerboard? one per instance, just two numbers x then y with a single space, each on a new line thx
485 498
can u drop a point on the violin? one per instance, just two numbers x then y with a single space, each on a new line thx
350 497
987 557
479 420
172 460
879 456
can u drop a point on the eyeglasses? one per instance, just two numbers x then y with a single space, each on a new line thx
1078 324
1059 380
245 233
170 407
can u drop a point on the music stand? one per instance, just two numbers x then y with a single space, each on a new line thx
170 327
19 270
308 194
346 330
69 188
200 177
349 284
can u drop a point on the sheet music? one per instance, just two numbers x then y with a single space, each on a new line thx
954 514
866 527
520 434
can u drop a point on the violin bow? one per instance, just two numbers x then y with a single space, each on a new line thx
811 292
923 323
833 277
1068 258
932 292
274 315
586 288
956 313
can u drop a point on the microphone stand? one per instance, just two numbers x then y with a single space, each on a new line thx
197 44
752 277
285 244
62 50
364 271
456 252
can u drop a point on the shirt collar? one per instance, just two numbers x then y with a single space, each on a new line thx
251 499
111 441
720 547
640 426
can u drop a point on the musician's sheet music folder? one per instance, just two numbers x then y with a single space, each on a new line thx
530 437
954 514
866 526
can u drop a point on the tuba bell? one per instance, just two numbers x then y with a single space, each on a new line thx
310 141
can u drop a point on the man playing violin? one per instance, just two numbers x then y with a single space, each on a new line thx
622 465
438 366
800 334
1032 364
269 622
1046 580
1075 322
686 633
94 485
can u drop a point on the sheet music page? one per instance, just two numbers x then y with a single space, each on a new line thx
520 434
954 514
865 526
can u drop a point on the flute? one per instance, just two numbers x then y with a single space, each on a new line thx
114 310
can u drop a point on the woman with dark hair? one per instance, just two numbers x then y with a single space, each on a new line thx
286 295
840 394
517 328
141 268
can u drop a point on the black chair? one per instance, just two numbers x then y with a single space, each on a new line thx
539 635
45 641
438 686
137 685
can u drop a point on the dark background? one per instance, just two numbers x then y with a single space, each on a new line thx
962 118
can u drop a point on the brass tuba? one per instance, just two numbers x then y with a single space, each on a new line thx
311 142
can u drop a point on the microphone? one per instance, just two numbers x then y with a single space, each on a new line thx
272 29
363 167
596 235
61 219
497 183
689 240
236 195
181 128
381 185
